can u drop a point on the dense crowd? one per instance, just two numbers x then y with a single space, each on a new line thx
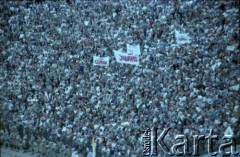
53 98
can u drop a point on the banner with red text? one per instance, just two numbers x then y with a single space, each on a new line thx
126 58
101 61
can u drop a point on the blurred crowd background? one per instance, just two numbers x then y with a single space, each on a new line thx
53 100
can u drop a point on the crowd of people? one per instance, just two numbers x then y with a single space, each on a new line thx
53 99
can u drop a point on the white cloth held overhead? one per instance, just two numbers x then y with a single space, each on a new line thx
133 49
74 154
101 61
126 58
182 38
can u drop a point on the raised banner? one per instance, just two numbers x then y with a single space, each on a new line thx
231 48
182 38
126 58
101 61
133 49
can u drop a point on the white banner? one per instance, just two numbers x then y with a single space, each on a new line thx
101 61
133 49
126 58
231 48
182 38
86 23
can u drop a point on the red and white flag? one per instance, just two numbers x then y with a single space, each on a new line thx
101 61
126 58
